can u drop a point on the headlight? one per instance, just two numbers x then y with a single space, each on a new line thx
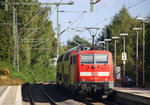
82 79
83 86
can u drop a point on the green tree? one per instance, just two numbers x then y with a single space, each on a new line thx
77 40
124 23
30 50
147 50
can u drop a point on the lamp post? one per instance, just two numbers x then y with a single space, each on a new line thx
124 55
137 29
115 38
143 51
107 41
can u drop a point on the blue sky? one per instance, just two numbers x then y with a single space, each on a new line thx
101 16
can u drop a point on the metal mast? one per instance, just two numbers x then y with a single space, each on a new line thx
15 32
15 35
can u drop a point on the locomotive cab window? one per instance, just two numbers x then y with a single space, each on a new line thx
101 58
94 59
87 59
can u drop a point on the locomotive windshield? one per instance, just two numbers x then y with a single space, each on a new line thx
94 59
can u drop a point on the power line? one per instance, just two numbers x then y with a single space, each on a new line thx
72 23
82 19
103 5
103 21
77 17
136 4
111 17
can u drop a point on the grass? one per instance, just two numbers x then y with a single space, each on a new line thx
32 75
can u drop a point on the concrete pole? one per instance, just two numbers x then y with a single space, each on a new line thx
115 57
124 43
58 30
6 5
107 48
143 66
137 58
124 62
14 28
17 43
91 6
93 37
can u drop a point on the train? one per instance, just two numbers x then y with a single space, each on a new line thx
87 71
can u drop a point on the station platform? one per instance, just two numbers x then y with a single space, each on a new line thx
145 92
132 96
10 95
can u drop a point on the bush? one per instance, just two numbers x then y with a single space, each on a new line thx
35 74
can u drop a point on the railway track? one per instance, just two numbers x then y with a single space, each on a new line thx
90 101
52 94
33 101
49 98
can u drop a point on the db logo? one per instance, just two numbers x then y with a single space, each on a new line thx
94 73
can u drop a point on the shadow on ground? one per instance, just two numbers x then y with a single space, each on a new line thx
56 92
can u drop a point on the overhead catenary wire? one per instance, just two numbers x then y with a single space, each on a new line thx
81 20
84 17
39 44
72 23
19 32
103 21
132 6
108 18
66 22
136 4
32 19
103 5
54 9
30 35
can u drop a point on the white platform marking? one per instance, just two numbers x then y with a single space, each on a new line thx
18 97
2 98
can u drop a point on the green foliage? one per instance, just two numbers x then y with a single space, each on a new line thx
63 49
35 74
77 40
36 46
30 50
124 23
147 50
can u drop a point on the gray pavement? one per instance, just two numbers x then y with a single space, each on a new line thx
145 92
10 95
132 96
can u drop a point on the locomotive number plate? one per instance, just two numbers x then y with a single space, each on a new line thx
94 73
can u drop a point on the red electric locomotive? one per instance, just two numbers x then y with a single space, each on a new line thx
86 71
